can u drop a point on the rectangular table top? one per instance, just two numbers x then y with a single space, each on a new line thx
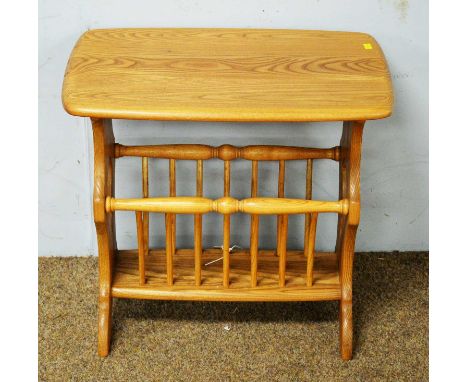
227 75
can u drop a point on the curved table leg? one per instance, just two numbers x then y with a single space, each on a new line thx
105 225
350 160
104 325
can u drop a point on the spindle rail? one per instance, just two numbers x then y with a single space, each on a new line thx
227 75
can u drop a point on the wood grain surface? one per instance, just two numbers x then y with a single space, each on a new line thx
227 75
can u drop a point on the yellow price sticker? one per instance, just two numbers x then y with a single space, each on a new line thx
367 46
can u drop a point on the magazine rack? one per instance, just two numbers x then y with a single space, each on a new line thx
226 75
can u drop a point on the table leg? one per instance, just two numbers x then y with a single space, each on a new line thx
103 137
350 159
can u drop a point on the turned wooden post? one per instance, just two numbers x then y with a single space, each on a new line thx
254 222
145 194
349 183
103 137
198 227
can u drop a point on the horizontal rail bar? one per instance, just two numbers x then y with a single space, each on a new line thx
226 152
226 205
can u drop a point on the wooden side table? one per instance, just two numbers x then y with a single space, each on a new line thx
226 75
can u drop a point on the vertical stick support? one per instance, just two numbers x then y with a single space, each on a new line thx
141 246
308 196
145 192
172 192
279 219
282 245
254 228
198 247
226 225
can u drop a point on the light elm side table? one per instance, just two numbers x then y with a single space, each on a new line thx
236 75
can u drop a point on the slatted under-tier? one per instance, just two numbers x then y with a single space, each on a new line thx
126 283
244 275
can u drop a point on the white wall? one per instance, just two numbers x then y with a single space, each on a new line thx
395 154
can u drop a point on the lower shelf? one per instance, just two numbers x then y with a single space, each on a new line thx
326 284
